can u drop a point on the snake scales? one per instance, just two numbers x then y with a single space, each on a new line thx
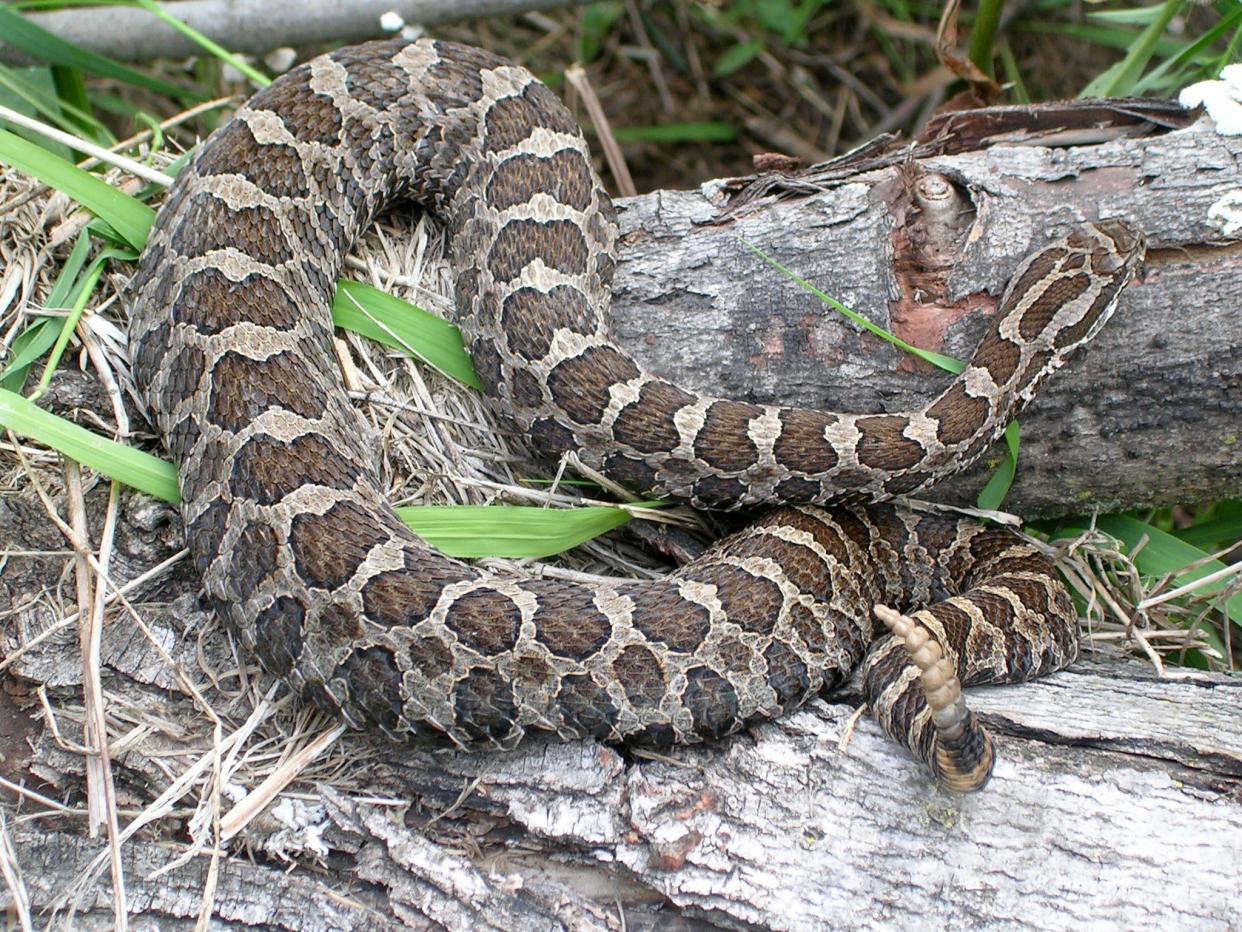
299 550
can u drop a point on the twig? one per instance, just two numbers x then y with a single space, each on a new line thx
577 77
82 145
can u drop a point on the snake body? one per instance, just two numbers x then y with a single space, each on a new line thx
299 550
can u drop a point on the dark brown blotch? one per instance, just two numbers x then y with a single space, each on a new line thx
309 116
268 469
587 709
329 548
485 620
712 703
431 657
581 384
999 356
753 602
531 318
723 441
666 617
374 683
400 598
338 623
210 224
719 491
185 376
559 244
787 674
801 446
1040 267
206 533
576 631
274 168
1060 291
636 475
485 705
647 424
564 176
278 635
797 490
512 119
958 416
641 675
244 388
802 566
822 532
883 444
551 437
210 301
255 555
487 364
525 389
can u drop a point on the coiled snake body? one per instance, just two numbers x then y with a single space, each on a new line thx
297 547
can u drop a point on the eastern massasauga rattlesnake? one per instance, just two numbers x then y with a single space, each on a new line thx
298 549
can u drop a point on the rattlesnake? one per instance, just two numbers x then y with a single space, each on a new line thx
300 552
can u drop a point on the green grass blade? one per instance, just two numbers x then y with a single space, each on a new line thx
62 113
396 323
135 468
1223 528
1162 76
677 132
992 496
1120 80
29 345
70 323
468 531
203 42
130 218
737 57
512 531
38 43
947 363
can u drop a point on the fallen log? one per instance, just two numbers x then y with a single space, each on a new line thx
1147 415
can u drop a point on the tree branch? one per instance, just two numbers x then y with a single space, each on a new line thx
253 26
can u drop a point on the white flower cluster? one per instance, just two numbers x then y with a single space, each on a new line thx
1221 99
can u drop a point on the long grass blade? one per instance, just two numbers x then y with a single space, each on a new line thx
130 218
126 464
205 43
38 43
993 494
512 531
404 326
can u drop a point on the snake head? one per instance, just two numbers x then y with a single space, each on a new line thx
1115 248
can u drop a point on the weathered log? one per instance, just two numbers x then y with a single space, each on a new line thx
1110 784
1148 414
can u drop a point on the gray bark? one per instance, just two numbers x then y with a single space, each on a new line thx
253 26
1148 414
